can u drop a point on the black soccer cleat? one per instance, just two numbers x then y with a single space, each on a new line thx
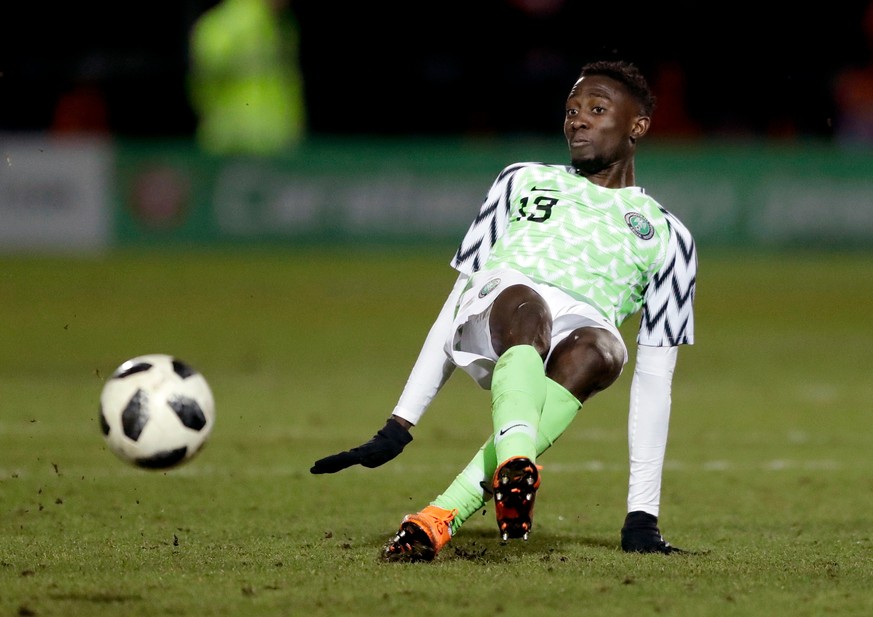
640 534
515 487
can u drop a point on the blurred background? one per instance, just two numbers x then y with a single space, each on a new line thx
264 120
456 66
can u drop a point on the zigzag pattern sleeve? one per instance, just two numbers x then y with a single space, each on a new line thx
488 225
667 316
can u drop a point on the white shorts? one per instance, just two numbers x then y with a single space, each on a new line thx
469 345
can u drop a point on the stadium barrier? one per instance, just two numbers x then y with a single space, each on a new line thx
54 194
86 195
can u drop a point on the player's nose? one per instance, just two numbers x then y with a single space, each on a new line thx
578 122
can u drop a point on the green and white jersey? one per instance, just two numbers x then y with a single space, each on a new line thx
615 249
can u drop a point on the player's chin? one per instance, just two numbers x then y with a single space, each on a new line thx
588 165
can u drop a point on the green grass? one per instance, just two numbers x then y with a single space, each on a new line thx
768 477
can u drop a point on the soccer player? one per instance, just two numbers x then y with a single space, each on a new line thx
556 259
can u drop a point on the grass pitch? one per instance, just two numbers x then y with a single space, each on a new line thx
768 479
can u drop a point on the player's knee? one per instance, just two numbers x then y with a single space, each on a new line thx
587 361
520 316
607 351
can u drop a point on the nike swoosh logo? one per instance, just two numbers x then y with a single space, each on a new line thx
539 188
509 428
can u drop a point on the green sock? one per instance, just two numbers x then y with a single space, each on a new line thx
466 495
559 411
518 392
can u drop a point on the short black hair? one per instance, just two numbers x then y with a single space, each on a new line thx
627 74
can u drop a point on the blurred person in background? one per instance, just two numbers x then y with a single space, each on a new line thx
245 82
853 93
82 108
670 87
556 259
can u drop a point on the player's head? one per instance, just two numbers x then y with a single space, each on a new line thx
608 109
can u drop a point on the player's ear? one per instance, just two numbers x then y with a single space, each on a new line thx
639 127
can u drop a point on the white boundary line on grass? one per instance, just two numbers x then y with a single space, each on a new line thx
200 469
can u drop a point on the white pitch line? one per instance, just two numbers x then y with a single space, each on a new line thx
196 469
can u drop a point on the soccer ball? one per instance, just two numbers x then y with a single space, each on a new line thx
156 411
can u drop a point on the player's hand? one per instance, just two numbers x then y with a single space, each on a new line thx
385 445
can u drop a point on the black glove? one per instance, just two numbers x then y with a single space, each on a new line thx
385 445
640 534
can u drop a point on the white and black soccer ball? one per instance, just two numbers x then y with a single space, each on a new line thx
156 411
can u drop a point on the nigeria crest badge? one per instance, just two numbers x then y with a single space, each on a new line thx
639 225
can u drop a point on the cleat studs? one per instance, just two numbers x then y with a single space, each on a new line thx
505 536
498 496
524 537
529 480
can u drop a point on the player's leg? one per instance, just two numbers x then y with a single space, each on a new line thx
424 534
587 361
521 325
472 348
598 358
500 315
470 489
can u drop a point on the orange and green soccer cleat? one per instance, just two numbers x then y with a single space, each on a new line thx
515 487
421 536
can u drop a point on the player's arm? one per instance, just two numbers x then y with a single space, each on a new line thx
648 425
429 374
667 322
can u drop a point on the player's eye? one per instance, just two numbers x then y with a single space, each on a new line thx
572 112
598 109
